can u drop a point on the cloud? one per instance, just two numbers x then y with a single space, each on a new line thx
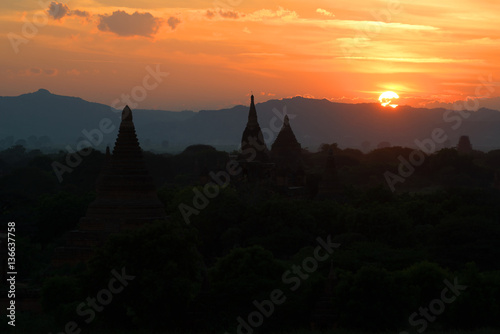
280 13
283 16
414 60
36 71
210 13
58 10
51 72
229 14
261 54
81 13
173 22
324 12
137 24
225 14
73 72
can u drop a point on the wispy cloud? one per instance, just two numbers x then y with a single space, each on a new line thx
285 16
58 10
173 22
224 14
262 54
414 60
36 71
324 12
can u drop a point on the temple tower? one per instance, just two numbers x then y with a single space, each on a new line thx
126 198
286 153
464 146
253 147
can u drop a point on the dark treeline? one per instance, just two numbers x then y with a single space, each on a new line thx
396 248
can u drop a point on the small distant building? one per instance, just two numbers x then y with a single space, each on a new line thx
464 146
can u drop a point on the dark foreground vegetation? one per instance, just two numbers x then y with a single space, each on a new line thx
397 249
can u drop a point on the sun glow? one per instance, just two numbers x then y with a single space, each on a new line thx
386 99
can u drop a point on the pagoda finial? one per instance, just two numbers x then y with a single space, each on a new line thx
126 114
286 121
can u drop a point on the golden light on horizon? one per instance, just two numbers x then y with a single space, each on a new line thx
387 98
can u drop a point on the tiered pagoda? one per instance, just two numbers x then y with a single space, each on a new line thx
253 147
286 153
254 156
126 198
464 146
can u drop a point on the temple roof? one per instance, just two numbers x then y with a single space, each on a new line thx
286 140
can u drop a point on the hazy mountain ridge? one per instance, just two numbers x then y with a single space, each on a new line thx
62 119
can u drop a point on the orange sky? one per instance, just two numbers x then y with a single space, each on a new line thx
217 51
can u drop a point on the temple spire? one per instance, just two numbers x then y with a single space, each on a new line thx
286 121
286 153
252 115
127 114
253 146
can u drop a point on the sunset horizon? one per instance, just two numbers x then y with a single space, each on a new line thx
212 55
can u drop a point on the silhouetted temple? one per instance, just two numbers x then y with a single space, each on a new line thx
286 153
282 166
253 147
254 156
126 198
464 146
126 195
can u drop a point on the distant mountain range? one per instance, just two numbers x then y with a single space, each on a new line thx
51 122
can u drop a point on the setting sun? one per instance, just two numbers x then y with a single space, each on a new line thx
386 99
